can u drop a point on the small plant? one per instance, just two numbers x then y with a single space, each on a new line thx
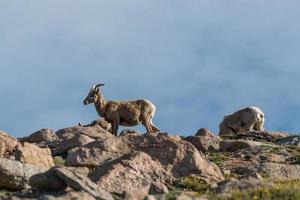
284 190
193 183
219 157
59 161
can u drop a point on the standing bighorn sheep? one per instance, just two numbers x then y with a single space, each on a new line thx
244 120
124 113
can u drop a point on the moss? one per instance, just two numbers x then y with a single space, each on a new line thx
285 190
172 195
219 157
193 183
59 161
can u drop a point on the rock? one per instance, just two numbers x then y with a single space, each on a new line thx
276 171
94 132
293 140
129 132
50 181
47 181
8 145
100 122
274 158
179 157
99 152
42 136
80 182
15 175
234 145
136 170
69 196
136 194
204 141
158 188
31 154
242 184
69 143
267 136
90 157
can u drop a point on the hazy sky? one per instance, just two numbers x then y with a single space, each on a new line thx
195 60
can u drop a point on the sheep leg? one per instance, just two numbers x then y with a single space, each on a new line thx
115 127
154 128
147 125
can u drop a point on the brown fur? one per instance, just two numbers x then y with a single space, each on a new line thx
124 113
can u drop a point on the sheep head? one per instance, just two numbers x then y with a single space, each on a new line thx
92 97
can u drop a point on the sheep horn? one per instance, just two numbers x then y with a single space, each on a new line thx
96 86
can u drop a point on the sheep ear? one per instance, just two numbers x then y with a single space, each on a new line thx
97 90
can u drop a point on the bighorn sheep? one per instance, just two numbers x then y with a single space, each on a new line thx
124 113
246 119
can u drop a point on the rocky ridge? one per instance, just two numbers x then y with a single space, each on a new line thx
88 162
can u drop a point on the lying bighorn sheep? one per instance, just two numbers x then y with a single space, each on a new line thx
124 113
247 119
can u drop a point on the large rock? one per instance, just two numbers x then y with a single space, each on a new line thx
267 136
71 142
293 140
99 152
76 195
8 145
50 181
136 170
47 181
242 184
234 145
15 175
204 140
95 132
42 136
32 154
80 182
278 171
179 157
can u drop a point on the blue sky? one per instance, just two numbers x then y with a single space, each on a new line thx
195 60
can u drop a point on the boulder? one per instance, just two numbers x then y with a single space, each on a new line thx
47 181
135 170
94 132
99 122
42 136
98 152
158 188
136 194
242 184
293 140
80 182
74 195
69 143
129 132
179 157
234 145
204 141
276 171
267 136
50 181
15 175
32 154
8 145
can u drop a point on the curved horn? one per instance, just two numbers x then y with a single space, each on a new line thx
98 85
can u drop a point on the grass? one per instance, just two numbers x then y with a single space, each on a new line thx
192 183
59 161
284 190
219 157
